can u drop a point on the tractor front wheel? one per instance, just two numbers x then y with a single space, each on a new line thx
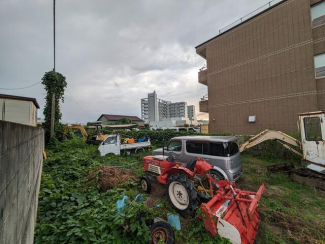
182 194
161 232
145 184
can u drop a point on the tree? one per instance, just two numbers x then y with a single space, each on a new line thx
124 121
54 82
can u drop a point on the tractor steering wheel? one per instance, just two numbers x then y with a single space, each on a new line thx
171 158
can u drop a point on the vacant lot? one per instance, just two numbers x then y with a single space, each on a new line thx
73 208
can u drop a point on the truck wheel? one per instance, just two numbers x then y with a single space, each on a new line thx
145 184
182 194
139 150
161 232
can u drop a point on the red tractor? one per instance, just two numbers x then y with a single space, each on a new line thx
228 211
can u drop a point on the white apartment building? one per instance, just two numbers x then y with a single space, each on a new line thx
191 112
178 109
155 109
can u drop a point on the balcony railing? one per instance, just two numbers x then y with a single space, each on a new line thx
250 15
203 77
204 106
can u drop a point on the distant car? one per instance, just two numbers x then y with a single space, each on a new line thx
220 151
135 129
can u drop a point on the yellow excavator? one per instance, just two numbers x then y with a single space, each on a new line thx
312 144
96 139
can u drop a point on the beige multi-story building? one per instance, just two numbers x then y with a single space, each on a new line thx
266 68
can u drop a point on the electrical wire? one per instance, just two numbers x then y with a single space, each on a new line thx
78 104
54 35
20 88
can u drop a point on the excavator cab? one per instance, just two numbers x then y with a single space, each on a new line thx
312 131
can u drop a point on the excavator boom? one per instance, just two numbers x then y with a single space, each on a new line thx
79 127
272 135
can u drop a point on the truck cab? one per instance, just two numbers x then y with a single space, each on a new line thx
111 145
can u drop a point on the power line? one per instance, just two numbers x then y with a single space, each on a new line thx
54 34
78 104
20 88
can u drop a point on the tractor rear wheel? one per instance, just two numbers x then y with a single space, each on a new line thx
182 194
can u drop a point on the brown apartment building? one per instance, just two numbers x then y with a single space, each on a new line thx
264 70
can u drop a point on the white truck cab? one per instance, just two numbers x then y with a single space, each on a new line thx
112 145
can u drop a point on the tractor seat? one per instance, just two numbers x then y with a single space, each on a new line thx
191 165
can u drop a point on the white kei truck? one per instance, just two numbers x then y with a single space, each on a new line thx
112 145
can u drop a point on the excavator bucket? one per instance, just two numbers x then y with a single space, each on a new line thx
232 213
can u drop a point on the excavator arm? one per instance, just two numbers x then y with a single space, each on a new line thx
79 127
286 140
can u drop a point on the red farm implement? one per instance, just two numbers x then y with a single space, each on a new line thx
226 210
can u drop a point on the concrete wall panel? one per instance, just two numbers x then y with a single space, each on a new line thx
21 160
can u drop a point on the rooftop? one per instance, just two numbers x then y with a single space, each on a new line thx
208 138
118 117
246 18
30 99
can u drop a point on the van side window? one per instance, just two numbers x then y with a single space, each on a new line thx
217 149
182 129
175 146
313 130
197 147
232 148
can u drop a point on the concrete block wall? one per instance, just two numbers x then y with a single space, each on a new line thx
21 160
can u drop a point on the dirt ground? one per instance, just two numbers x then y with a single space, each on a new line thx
108 177
291 212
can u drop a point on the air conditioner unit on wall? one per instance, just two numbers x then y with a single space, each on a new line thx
252 118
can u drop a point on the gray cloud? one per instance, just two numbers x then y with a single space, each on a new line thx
112 52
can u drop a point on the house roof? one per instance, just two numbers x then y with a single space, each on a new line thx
118 117
120 126
30 99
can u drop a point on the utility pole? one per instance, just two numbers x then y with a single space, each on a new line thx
53 95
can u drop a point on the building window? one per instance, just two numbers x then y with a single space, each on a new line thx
320 65
313 131
318 14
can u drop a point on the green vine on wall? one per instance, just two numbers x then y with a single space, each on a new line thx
54 82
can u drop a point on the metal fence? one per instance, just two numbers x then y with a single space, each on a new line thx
250 15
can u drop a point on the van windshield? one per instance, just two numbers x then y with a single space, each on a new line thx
223 149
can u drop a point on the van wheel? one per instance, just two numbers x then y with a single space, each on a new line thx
216 175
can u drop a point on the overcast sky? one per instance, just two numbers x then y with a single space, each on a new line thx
112 53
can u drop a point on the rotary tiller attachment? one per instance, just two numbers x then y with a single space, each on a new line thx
232 213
